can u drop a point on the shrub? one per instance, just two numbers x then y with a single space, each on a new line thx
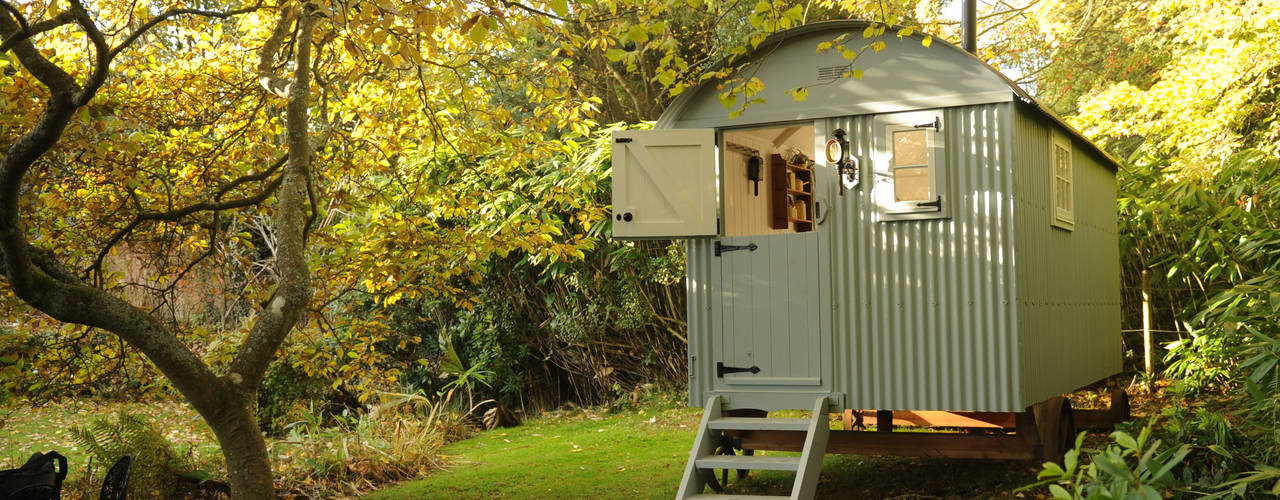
396 440
284 388
157 467
1126 468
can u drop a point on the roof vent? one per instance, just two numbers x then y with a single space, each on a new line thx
831 72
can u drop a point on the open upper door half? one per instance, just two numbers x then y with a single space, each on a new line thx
664 183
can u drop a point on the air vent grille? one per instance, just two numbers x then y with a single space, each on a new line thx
831 72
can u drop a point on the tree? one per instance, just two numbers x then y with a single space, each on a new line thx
40 277
402 151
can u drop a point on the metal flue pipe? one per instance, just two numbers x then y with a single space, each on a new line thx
969 26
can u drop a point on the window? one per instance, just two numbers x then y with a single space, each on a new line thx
1062 187
910 167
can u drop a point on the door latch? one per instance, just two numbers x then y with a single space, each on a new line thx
721 248
721 369
935 203
936 125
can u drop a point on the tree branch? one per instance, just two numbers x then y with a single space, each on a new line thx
179 213
29 31
101 49
22 21
174 12
268 54
282 311
58 81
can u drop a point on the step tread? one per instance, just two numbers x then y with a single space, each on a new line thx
750 462
737 497
759 424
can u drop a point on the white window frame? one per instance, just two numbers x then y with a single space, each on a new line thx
889 208
1062 210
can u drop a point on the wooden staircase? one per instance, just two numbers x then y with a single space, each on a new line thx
703 460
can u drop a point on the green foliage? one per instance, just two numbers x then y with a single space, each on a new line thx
156 465
285 390
1127 468
398 439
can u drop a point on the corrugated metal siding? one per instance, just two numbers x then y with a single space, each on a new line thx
702 283
931 315
922 308
1068 281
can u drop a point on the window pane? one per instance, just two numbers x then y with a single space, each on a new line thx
1062 160
910 147
911 184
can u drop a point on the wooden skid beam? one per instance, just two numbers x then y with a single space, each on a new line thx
1094 420
958 419
906 444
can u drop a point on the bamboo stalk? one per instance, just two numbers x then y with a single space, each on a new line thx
1146 324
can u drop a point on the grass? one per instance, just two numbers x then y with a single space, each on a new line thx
639 453
625 455
25 430
642 455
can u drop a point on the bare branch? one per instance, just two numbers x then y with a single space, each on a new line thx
532 10
175 13
180 213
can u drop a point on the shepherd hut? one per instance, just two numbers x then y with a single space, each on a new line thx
926 242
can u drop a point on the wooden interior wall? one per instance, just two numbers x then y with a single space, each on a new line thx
745 213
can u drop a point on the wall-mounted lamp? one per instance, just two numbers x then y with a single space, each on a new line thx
846 167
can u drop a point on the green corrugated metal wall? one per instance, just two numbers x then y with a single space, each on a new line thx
1068 282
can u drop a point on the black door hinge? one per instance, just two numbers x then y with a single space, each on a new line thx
721 248
721 369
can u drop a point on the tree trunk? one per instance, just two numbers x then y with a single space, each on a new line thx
244 448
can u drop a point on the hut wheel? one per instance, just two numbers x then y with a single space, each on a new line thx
727 446
1061 432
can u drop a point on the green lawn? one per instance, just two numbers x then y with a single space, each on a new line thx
634 454
25 430
628 454
642 456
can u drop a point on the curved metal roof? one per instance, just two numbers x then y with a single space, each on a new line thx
908 77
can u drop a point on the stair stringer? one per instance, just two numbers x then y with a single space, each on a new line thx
815 448
703 445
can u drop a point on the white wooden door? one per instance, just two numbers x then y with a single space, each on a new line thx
664 183
770 315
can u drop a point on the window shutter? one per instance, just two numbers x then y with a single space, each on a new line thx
664 183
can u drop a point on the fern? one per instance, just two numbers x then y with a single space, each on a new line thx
156 465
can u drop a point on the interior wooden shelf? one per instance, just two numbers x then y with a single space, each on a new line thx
784 177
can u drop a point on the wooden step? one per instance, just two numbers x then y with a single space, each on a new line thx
749 462
759 424
738 497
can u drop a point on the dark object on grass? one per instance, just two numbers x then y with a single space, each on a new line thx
499 416
201 484
116 485
38 479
